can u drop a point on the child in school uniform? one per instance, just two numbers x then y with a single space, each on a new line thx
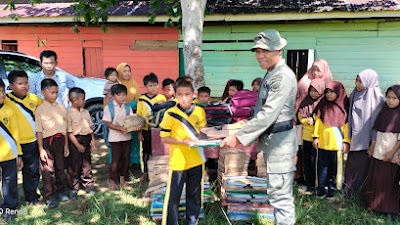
24 106
10 156
382 188
330 138
179 128
307 106
119 139
366 101
51 132
146 101
81 142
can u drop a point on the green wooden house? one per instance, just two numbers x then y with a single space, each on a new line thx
350 35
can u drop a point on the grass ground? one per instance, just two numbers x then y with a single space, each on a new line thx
130 206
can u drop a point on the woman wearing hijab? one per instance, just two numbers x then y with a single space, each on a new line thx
319 71
307 106
330 138
382 188
365 104
133 95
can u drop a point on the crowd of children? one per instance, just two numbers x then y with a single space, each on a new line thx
38 133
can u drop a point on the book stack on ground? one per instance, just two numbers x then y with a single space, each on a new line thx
260 165
232 162
158 202
158 174
245 197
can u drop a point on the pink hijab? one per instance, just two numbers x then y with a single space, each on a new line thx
305 81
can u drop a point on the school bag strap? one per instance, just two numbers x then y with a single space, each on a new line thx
111 108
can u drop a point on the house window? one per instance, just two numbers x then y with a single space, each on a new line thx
9 45
300 61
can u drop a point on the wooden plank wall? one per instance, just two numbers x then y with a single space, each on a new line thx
162 58
348 46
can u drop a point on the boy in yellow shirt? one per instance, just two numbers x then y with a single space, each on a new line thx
179 128
146 101
24 106
10 156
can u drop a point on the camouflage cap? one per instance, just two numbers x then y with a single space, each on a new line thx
269 40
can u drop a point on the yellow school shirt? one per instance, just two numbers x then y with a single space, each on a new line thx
144 106
330 138
9 140
183 124
307 129
24 109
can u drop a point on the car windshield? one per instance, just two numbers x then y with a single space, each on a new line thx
14 62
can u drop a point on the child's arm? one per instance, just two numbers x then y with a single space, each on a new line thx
346 139
42 152
170 140
315 133
92 143
117 128
66 149
371 149
388 156
15 134
72 138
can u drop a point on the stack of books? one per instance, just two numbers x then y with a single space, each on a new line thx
158 202
260 165
245 197
158 174
232 162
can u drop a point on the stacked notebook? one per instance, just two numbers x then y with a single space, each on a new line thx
158 202
158 173
246 196
232 162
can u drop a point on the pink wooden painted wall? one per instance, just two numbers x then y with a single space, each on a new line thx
116 47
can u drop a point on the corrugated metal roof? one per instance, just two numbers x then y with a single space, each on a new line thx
55 8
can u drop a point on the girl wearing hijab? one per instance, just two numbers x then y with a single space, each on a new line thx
318 71
331 138
133 95
307 106
382 188
366 101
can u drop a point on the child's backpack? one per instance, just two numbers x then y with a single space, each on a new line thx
218 114
243 104
106 131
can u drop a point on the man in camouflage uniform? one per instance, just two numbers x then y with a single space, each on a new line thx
273 125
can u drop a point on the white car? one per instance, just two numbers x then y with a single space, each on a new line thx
10 60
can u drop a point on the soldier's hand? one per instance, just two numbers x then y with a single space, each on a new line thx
231 141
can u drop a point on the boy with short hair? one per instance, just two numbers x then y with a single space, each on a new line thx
168 89
119 139
24 106
179 128
81 141
10 156
146 101
204 95
51 132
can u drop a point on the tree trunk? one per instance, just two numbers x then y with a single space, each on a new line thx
192 29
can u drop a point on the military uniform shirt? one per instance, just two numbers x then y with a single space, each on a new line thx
183 124
24 109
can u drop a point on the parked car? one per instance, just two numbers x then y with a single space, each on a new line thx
10 60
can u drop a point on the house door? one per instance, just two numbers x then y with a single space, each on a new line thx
93 60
